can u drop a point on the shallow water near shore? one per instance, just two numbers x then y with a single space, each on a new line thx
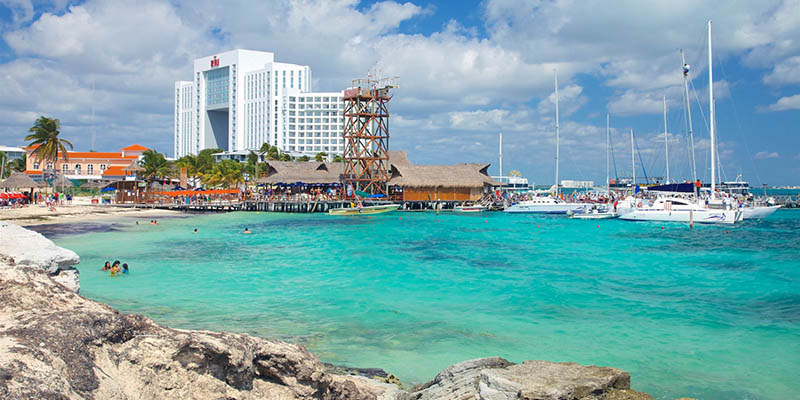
699 313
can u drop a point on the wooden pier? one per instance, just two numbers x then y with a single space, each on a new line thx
291 206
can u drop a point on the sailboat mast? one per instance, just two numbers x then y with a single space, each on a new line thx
608 154
557 134
688 111
501 156
711 116
633 162
666 137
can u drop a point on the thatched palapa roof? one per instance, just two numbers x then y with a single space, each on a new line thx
19 180
452 176
300 171
63 181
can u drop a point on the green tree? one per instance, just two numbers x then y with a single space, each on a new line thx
44 135
224 173
3 167
303 158
189 162
19 164
337 158
155 165
286 157
206 160
320 157
273 153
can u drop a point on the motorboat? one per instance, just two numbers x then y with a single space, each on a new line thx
365 210
758 212
475 208
593 212
543 205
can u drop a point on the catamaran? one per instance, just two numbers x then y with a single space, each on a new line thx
546 204
715 209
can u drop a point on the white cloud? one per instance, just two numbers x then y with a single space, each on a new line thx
763 155
785 72
784 104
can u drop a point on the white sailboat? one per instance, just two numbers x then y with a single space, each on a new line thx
546 204
673 209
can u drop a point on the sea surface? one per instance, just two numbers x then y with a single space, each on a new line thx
711 313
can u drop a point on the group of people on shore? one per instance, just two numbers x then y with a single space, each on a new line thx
115 268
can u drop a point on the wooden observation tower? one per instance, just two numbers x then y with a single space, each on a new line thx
366 135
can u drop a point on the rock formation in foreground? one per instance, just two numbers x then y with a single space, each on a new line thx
55 344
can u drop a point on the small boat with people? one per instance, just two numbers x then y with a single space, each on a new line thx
364 210
593 211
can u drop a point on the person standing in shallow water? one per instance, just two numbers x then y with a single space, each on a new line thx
246 231
107 266
125 268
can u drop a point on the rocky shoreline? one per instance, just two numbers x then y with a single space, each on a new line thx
57 344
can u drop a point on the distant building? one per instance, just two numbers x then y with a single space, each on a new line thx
568 184
94 165
240 99
13 153
454 182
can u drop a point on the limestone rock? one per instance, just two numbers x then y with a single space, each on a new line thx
497 379
26 247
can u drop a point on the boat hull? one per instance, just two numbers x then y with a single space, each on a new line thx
700 216
542 208
471 209
596 216
758 212
369 210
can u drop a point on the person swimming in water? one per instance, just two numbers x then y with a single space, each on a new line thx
124 268
115 268
246 231
195 230
107 266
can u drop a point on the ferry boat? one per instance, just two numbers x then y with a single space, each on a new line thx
367 210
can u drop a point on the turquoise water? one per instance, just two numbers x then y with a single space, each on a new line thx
702 313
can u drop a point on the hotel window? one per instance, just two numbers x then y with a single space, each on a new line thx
102 167
64 167
77 168
90 169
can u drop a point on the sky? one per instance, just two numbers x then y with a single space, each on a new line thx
467 71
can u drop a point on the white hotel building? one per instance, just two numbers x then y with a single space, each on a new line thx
241 98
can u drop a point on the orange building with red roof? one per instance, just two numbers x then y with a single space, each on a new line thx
89 164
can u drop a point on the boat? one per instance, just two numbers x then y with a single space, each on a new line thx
717 208
475 208
543 205
366 210
550 204
673 209
758 212
593 212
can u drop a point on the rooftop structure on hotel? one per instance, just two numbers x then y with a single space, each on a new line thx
240 99
94 165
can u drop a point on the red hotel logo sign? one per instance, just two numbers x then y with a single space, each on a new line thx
214 62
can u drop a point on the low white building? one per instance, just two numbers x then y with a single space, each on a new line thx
240 99
13 153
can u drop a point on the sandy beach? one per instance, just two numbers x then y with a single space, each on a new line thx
81 210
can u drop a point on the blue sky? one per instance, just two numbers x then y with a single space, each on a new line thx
467 69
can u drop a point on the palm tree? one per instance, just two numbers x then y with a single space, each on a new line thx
155 165
225 173
48 145
320 157
190 162
337 158
19 164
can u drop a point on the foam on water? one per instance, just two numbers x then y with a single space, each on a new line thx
700 313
